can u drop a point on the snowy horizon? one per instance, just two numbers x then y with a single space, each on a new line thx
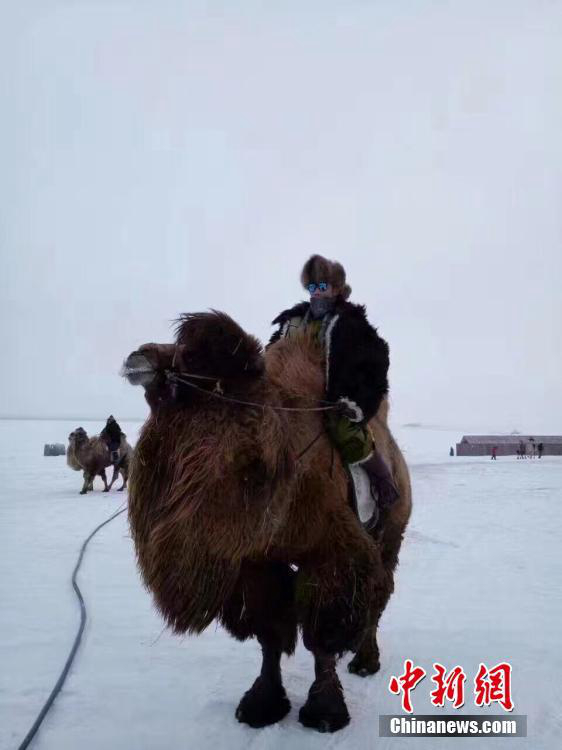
413 426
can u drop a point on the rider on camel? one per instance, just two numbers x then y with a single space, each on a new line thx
111 435
356 369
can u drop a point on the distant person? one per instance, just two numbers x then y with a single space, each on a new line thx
533 447
522 452
494 453
111 435
540 448
452 451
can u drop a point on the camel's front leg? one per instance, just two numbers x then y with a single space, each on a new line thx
88 483
104 479
125 475
262 605
114 477
325 708
266 701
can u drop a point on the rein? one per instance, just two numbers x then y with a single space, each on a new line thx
219 393
309 446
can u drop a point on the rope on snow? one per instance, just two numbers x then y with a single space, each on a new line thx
64 674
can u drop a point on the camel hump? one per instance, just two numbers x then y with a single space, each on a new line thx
213 343
382 412
99 448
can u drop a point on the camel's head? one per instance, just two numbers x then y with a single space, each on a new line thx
210 347
78 436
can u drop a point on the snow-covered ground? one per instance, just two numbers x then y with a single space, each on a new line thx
478 581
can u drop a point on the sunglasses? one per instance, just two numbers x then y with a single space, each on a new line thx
322 286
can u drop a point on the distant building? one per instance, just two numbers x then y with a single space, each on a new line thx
507 445
54 449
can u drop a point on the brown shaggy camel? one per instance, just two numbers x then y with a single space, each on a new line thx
91 455
240 513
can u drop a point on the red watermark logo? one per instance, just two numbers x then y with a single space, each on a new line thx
407 682
490 685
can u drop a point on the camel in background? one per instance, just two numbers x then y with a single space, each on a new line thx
91 455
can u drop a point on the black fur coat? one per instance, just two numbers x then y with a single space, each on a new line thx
357 357
111 433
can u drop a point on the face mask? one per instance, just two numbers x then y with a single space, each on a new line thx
320 306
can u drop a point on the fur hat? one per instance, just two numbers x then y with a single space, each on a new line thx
318 268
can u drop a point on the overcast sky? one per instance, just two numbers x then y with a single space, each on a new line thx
160 157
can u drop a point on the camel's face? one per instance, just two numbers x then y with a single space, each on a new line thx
209 346
140 367
78 437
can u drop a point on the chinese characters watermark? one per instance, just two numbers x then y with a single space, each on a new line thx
490 685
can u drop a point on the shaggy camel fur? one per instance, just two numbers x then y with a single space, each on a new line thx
91 455
240 513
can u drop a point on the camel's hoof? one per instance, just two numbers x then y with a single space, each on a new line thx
263 704
325 709
363 668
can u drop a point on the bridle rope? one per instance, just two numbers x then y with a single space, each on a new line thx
218 393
